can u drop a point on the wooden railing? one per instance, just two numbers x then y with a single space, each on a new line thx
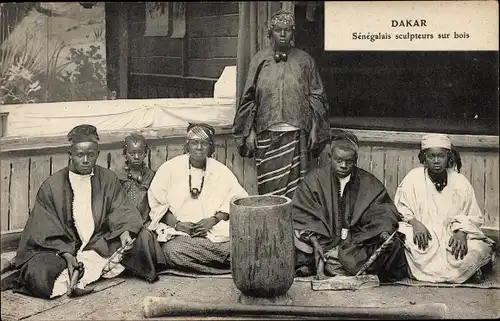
26 163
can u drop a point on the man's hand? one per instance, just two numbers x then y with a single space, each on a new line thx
421 234
203 226
73 265
185 227
458 244
126 241
388 246
318 252
251 141
313 137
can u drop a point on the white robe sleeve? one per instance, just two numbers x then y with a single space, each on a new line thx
235 190
405 200
158 196
469 218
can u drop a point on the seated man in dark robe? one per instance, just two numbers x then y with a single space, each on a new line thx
80 219
342 214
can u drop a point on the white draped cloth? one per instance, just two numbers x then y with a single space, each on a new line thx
84 222
169 190
454 208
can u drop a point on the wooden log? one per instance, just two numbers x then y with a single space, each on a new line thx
341 282
159 306
262 247
60 142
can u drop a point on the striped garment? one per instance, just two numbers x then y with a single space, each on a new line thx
197 254
281 160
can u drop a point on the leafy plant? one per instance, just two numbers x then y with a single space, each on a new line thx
98 33
88 79
18 68
18 84
24 64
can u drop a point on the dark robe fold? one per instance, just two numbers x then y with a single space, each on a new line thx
50 229
315 208
138 192
290 92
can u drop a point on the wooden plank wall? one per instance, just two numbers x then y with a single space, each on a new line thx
21 176
166 67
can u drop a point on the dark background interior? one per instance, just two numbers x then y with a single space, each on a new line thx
432 90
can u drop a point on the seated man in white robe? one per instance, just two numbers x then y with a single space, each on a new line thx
441 218
189 199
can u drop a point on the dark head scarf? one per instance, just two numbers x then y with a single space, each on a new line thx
282 17
83 133
345 140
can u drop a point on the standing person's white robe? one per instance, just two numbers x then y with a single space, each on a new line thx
454 208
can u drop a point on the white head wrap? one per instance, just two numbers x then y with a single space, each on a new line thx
435 141
200 131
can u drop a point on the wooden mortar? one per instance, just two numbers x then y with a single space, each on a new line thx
262 248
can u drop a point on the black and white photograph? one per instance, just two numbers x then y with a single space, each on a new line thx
247 160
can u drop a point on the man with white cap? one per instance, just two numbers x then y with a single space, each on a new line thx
441 218
189 199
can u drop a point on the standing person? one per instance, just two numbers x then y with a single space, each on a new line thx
135 176
281 117
81 217
342 214
189 198
441 218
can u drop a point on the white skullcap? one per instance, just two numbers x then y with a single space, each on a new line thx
436 141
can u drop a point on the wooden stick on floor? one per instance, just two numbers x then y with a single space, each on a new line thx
161 307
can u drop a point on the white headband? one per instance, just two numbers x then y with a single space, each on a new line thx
435 141
197 133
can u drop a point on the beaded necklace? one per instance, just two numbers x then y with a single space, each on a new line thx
139 178
439 180
194 191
